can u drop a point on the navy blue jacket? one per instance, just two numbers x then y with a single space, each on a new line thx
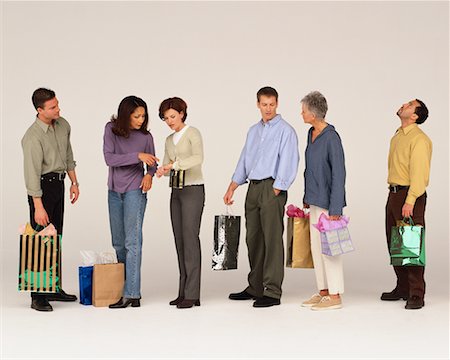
325 171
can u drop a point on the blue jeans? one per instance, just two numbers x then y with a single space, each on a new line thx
126 214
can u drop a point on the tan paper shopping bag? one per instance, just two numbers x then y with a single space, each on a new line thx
107 284
298 249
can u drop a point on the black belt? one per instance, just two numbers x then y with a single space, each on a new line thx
397 188
259 181
53 176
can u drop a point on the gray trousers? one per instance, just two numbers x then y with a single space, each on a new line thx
264 213
186 209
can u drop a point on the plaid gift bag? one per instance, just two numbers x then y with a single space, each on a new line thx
40 263
336 242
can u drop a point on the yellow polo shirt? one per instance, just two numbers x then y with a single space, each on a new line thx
409 161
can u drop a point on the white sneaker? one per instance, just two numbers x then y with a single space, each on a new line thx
313 300
328 303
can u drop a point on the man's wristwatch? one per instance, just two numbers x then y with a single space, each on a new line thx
77 184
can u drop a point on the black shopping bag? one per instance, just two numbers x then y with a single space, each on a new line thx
227 229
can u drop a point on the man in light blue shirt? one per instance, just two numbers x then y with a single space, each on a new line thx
269 161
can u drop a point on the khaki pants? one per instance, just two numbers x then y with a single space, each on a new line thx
329 270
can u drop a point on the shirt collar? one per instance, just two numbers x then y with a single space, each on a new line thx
273 121
43 125
408 129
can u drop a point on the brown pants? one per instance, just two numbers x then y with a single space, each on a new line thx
410 279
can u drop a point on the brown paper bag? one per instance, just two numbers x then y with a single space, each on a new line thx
107 284
298 244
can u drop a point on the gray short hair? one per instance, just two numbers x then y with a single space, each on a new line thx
316 103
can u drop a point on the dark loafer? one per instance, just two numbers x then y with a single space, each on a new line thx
186 303
125 302
41 304
60 296
415 302
243 295
177 300
266 301
394 295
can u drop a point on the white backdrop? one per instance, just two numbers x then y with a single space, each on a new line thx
366 58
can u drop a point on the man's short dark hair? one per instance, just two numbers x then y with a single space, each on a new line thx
40 96
421 111
267 91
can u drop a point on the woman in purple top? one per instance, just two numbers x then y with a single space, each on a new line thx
127 146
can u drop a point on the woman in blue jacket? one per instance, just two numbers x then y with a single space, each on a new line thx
324 193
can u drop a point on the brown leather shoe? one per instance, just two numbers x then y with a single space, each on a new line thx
186 304
177 300
415 302
395 294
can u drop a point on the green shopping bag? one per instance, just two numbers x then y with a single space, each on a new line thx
407 245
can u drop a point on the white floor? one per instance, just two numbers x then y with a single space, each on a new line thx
222 329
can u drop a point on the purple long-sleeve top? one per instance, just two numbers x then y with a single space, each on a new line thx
121 155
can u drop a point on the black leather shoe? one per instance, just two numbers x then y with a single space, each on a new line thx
186 304
266 301
394 295
177 300
243 295
415 302
124 302
41 304
60 296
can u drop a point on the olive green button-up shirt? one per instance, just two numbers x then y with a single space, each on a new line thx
46 148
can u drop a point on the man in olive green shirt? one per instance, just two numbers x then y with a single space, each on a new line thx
47 157
408 176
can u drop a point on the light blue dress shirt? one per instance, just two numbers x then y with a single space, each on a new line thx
271 150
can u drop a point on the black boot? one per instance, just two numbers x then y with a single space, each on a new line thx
41 304
177 300
124 302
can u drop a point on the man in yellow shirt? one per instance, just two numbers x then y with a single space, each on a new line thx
408 175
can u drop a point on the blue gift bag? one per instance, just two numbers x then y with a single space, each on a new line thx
85 276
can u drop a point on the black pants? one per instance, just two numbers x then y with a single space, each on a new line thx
53 201
186 209
410 279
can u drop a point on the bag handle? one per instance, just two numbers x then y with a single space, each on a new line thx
228 210
409 220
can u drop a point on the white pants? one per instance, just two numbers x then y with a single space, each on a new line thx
329 269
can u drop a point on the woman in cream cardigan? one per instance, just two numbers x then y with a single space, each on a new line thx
184 152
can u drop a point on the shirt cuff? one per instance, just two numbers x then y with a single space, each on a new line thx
410 200
238 181
34 193
175 165
280 184
71 165
335 211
